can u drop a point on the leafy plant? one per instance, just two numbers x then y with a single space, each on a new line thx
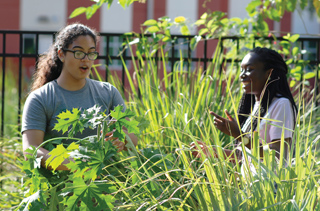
84 186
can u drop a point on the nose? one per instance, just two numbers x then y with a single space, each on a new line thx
86 57
242 74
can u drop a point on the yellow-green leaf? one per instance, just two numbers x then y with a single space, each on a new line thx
309 75
153 29
150 22
78 11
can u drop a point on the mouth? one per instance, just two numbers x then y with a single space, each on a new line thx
84 68
245 83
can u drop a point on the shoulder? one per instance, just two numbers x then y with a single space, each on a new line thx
102 85
280 102
43 92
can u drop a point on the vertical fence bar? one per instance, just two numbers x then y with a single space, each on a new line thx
3 83
317 80
205 55
172 58
2 98
189 55
20 77
107 55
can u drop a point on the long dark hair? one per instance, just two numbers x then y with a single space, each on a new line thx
49 65
277 86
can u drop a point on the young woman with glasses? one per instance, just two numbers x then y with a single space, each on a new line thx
61 83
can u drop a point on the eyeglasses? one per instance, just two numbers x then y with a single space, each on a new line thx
82 55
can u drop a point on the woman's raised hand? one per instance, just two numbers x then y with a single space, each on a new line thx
228 126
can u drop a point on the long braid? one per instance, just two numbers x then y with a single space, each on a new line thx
277 86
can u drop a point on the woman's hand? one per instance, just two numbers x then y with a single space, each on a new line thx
196 153
115 141
228 126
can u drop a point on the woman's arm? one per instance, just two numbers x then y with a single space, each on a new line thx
35 138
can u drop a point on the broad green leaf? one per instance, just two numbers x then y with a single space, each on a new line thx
275 14
67 118
184 30
87 192
204 16
251 8
210 22
310 75
153 29
291 5
292 83
123 3
203 31
200 22
150 22
294 38
194 42
289 61
78 11
59 154
295 51
236 20
166 39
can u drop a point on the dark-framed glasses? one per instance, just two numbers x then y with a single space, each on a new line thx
81 55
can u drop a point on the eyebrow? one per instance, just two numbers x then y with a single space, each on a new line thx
246 64
82 47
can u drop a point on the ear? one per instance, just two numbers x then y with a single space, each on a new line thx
61 55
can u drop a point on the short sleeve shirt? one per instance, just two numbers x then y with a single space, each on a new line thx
44 104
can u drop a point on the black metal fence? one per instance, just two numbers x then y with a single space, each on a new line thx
18 46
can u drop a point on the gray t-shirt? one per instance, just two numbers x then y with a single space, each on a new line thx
44 104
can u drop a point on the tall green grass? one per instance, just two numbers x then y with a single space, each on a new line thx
163 175
177 107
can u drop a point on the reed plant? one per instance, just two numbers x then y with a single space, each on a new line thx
162 174
177 108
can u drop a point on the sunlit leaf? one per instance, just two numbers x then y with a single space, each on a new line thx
184 30
294 38
309 75
65 119
295 51
153 29
60 154
78 11
150 22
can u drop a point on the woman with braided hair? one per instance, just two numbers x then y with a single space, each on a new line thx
267 101
61 83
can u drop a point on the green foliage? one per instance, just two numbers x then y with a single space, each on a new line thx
91 10
90 159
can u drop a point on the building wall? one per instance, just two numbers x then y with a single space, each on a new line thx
186 8
116 19
42 15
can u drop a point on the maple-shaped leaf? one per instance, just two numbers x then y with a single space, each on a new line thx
143 123
132 126
86 193
118 114
67 118
59 154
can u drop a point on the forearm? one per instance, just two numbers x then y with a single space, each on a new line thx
42 152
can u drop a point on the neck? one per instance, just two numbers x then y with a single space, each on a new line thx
69 84
257 97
